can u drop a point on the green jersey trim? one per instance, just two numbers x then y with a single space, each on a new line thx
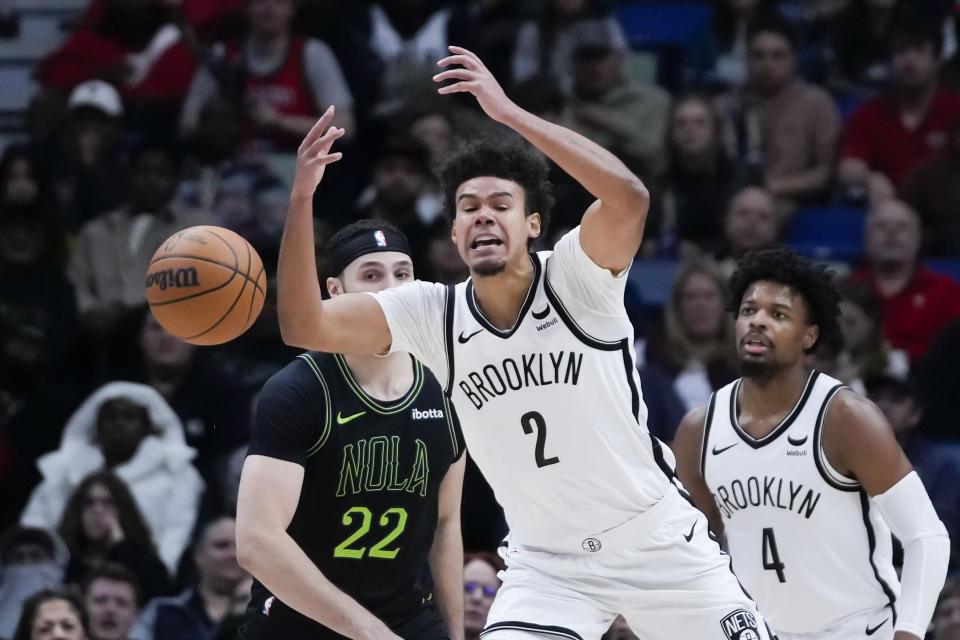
327 408
372 403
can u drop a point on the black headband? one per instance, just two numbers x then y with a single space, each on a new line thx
365 241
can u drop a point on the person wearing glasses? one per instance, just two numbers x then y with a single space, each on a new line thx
480 584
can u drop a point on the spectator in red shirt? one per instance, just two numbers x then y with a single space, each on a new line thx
890 134
133 45
917 303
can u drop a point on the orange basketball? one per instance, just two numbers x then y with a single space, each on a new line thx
206 285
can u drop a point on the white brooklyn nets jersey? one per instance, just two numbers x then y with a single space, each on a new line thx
804 540
551 408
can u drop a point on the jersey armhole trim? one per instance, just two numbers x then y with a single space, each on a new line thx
448 304
872 543
448 411
830 475
705 436
327 409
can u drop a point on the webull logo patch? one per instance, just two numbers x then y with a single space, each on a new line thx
180 278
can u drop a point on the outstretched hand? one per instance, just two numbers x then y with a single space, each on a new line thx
476 79
314 155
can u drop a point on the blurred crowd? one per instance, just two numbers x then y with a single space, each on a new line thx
120 446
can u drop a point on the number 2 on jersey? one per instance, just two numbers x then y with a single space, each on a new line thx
344 550
771 558
529 419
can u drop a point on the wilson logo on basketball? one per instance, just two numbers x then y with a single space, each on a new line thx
185 277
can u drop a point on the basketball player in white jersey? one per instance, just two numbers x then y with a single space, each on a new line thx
804 476
536 352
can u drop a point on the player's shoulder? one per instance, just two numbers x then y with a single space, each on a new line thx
302 374
851 417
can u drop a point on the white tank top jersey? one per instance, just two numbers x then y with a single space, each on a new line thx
551 409
803 538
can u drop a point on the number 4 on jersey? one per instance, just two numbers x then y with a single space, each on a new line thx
771 558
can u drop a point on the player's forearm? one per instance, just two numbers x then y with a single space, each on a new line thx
285 570
599 171
299 300
446 567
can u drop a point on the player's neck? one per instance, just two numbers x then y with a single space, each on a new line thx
763 403
384 378
501 297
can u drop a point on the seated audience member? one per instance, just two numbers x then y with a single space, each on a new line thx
937 462
89 164
716 58
917 303
889 135
480 585
30 560
861 321
101 523
751 223
113 250
127 428
23 178
212 595
283 80
946 617
52 613
858 41
545 45
687 215
605 104
781 129
111 596
400 192
697 351
931 191
213 410
137 47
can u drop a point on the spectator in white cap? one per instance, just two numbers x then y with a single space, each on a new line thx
92 179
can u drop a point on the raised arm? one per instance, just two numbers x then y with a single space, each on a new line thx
612 227
269 492
351 323
858 441
686 448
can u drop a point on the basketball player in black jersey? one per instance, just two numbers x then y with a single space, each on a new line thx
349 506
805 475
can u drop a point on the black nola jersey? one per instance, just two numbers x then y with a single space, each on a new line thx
368 506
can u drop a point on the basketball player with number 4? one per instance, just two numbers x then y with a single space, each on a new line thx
804 476
536 352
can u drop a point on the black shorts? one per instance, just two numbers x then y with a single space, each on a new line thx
425 624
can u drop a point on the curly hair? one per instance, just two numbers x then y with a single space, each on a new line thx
814 283
131 520
514 160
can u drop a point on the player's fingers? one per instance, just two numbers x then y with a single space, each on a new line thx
463 52
460 87
324 159
464 61
324 143
318 127
458 74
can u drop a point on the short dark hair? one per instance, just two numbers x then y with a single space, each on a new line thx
773 22
514 160
911 28
18 534
114 572
32 605
814 283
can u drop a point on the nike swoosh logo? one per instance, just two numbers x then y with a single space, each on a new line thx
463 340
342 420
717 451
796 443
689 536
540 315
872 630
